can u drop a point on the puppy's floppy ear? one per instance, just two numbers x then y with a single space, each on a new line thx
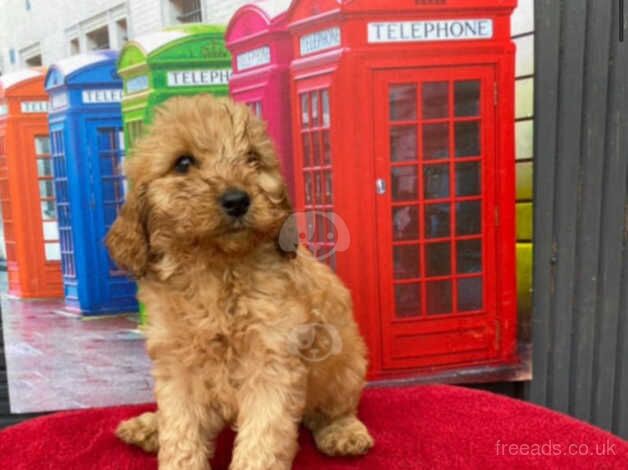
287 241
127 239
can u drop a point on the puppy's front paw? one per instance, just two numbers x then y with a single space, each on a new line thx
140 431
345 436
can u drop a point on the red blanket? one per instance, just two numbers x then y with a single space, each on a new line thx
414 428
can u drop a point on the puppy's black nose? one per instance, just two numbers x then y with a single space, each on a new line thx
235 202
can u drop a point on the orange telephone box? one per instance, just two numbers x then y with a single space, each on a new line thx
403 132
26 187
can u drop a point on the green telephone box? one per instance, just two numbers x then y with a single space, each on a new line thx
181 60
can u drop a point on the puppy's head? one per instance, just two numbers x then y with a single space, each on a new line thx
205 175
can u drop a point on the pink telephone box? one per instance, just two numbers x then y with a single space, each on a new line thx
261 49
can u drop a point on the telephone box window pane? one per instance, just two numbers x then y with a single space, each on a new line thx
318 188
305 111
405 223
438 297
468 139
402 100
326 148
325 105
329 194
42 145
51 231
315 109
437 223
468 179
469 294
46 188
467 98
468 218
307 176
316 148
469 256
407 300
435 141
403 144
331 233
53 251
435 100
404 183
436 181
406 261
321 230
44 167
48 211
307 156
438 259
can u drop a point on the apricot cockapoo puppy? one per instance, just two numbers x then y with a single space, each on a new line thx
246 328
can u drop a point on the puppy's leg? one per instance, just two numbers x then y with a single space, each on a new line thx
187 426
345 435
270 407
140 431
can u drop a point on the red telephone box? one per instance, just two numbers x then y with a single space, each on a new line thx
404 132
27 187
261 48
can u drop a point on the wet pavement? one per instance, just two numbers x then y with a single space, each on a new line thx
57 361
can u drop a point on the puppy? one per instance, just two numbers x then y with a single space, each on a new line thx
246 328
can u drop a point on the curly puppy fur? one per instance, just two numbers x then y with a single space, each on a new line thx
237 317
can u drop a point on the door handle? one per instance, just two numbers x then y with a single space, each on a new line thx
380 186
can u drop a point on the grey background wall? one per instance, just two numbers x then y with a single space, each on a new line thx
580 319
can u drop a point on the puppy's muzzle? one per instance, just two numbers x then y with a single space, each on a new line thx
235 202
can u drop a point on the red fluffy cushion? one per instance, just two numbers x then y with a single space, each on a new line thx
414 428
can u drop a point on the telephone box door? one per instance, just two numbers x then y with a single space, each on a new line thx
436 215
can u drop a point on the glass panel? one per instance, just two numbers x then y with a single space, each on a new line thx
404 183
325 103
436 181
329 193
318 188
332 232
402 99
326 148
51 230
438 295
468 139
321 228
316 147
469 257
48 211
435 100
435 141
403 144
405 223
468 218
46 188
467 98
307 176
406 261
468 179
44 167
307 155
53 251
315 109
437 223
470 294
42 145
438 259
305 111
408 300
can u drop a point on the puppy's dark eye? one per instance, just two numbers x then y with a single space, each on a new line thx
253 159
183 164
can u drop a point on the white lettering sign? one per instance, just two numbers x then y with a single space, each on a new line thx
137 84
102 96
34 106
4 109
58 100
199 77
437 30
254 58
319 41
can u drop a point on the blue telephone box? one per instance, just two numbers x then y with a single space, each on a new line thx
87 149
